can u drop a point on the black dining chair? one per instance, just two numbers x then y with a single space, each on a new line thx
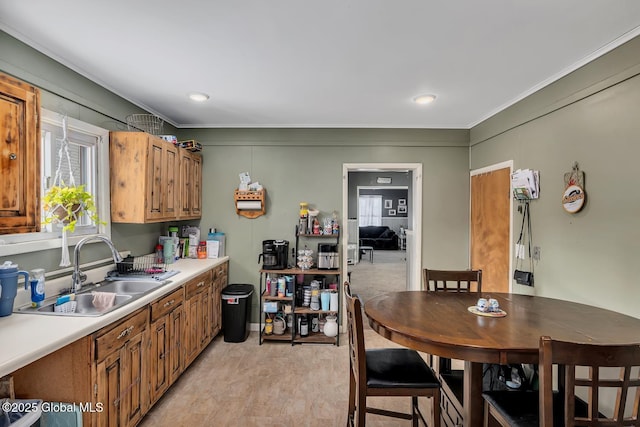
385 372
587 394
452 280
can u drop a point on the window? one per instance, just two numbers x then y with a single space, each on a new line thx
89 163
369 210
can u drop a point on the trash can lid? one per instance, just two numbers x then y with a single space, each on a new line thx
237 290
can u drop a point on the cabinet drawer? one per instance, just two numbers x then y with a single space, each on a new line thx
197 284
113 337
165 304
220 271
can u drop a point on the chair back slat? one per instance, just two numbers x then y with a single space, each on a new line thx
452 280
355 331
597 362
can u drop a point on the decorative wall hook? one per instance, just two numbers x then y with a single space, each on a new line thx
574 195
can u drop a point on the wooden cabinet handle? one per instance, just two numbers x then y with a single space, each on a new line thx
168 303
125 332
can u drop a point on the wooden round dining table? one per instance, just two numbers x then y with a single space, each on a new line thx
441 324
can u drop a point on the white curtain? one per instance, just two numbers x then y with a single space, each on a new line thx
369 210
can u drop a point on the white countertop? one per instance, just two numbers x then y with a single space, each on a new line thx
25 338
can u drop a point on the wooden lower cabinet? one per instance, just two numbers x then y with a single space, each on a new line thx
198 312
124 368
167 330
122 371
220 275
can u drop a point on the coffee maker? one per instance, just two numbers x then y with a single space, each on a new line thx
275 254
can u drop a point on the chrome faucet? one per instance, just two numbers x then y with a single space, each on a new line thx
78 277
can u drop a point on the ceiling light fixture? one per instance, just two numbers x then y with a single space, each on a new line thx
424 99
198 96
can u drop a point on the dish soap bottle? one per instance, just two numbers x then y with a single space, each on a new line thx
37 286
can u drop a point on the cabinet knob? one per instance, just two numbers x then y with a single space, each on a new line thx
13 156
167 304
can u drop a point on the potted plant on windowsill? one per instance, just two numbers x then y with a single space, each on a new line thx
63 204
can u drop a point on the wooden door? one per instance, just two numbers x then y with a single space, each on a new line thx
490 228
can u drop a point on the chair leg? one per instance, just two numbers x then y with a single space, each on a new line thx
435 403
415 412
361 409
352 398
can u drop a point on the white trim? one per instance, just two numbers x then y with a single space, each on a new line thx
487 169
414 276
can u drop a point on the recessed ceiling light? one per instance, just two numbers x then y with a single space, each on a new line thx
198 96
424 99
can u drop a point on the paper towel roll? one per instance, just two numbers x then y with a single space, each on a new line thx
249 204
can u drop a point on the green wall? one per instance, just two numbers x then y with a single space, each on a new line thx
293 164
592 117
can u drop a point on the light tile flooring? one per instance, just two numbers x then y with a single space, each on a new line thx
275 384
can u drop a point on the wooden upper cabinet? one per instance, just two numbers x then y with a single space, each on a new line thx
19 156
190 185
146 184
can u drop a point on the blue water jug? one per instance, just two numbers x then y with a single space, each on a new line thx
9 286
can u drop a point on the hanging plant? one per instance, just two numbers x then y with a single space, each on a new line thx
64 204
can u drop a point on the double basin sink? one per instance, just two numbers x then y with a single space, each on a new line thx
126 291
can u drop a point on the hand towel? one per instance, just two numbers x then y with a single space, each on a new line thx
103 300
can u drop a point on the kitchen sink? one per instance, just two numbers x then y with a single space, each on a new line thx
126 291
129 287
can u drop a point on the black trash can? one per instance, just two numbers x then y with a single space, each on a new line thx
236 311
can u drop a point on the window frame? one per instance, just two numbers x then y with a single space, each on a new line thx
20 243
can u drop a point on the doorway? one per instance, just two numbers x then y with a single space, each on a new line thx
411 258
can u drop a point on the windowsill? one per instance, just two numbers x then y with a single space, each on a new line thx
8 249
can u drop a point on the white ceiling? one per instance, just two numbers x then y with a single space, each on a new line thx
329 63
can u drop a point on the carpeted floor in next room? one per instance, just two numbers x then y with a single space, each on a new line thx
245 384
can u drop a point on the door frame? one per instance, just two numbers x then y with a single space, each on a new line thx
415 248
486 169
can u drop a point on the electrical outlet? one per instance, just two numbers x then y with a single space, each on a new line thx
536 253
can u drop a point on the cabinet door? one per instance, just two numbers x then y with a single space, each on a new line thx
170 182
134 393
156 159
160 355
176 332
193 312
186 165
195 208
204 332
20 156
109 376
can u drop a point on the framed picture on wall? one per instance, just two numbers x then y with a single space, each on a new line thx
388 204
402 209
392 212
402 202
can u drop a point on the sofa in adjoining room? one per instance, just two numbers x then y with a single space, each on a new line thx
378 237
